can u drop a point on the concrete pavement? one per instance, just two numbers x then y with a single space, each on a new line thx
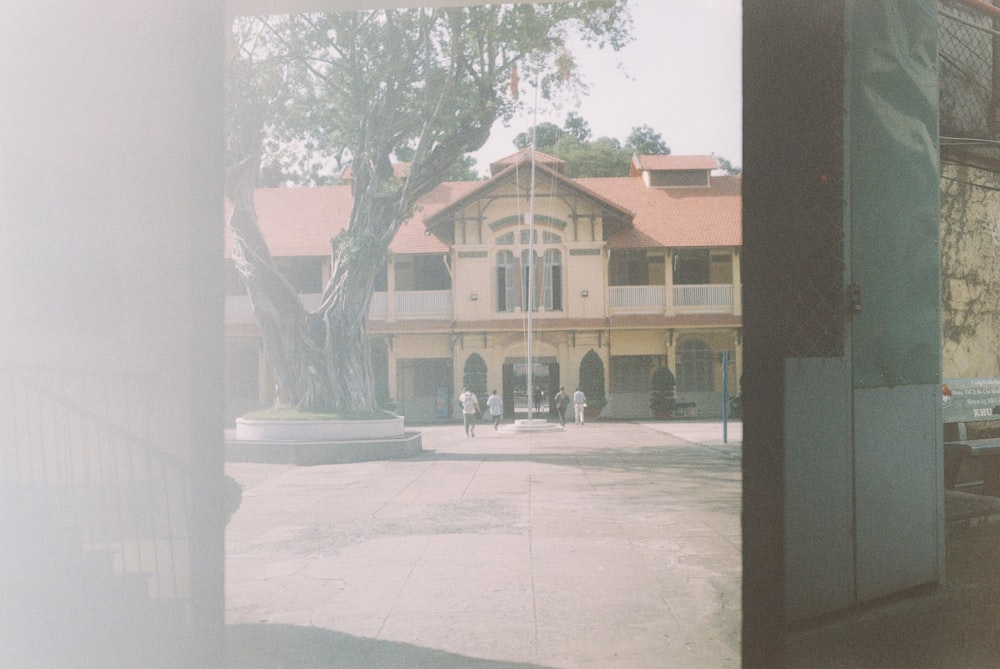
606 545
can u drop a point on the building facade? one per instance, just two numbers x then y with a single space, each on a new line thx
641 271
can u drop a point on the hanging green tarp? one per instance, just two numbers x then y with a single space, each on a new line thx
893 208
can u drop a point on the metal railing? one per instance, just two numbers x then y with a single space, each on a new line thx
78 453
968 54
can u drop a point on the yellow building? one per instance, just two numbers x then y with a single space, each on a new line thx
642 270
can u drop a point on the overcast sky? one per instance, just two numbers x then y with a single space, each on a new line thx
681 76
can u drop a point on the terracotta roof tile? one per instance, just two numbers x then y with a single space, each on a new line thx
675 217
411 237
399 169
300 221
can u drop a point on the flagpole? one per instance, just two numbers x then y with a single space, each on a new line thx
531 256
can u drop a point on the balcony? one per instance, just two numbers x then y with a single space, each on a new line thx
411 304
706 298
710 298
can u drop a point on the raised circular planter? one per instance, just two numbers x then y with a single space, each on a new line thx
318 430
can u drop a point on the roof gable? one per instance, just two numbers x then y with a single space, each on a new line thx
513 172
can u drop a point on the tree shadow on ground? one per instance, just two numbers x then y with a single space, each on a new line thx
273 646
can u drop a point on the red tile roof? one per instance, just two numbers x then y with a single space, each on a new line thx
411 237
302 221
675 217
398 169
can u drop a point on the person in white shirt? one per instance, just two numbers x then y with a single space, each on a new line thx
470 410
579 402
495 405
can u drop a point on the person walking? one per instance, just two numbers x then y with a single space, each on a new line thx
470 411
538 397
495 405
562 401
579 403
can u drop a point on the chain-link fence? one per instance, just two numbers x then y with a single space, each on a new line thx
969 52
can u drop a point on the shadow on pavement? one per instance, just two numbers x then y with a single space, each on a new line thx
272 646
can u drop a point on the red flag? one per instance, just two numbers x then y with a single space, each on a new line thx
513 81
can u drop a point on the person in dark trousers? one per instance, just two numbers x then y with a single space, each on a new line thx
562 401
537 398
470 410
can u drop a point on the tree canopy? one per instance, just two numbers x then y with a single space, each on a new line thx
307 93
601 157
586 157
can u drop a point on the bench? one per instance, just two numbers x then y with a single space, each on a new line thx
971 416
685 409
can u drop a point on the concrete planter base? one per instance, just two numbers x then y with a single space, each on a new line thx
320 442
318 430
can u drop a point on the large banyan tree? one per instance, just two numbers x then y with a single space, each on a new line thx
309 91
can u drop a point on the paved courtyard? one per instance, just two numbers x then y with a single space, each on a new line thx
607 545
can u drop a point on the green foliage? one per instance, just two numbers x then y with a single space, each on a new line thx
592 379
602 157
474 376
577 126
361 248
586 157
645 141
363 85
546 135
728 167
662 395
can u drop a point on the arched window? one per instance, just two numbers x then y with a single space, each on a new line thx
505 281
695 366
553 280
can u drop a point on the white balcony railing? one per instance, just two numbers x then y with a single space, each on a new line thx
412 304
708 297
711 298
638 298
379 305
423 304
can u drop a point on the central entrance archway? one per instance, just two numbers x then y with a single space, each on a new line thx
516 394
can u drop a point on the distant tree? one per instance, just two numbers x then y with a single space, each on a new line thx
728 167
643 140
546 135
586 157
602 157
577 126
463 169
